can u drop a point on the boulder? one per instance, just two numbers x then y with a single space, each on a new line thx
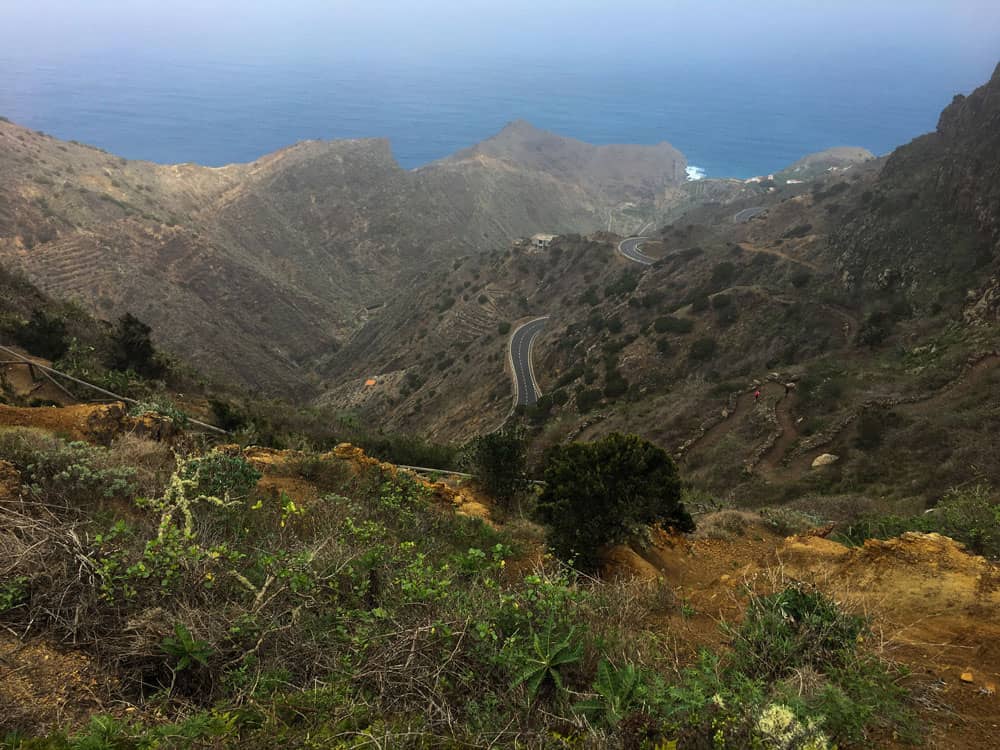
824 459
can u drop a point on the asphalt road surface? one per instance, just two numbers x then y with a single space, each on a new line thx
630 249
746 214
521 343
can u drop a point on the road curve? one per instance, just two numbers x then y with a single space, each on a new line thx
629 247
741 217
526 390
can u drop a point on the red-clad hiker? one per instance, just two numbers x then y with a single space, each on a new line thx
756 396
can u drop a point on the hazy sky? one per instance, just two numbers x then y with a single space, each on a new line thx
967 30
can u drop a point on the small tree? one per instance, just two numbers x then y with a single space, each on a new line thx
43 335
499 461
599 493
133 348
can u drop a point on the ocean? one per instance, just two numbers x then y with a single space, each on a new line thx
729 120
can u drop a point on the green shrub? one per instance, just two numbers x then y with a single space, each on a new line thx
792 629
722 275
969 515
598 493
43 335
670 324
700 303
221 475
589 297
74 474
800 230
499 460
801 278
132 348
587 399
702 350
624 284
872 425
503 328
727 314
161 406
875 328
615 385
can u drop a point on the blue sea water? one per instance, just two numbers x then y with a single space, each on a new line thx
729 120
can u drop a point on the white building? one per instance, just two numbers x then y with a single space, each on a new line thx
542 240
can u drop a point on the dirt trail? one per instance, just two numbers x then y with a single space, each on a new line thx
744 407
801 463
717 431
778 254
773 462
789 433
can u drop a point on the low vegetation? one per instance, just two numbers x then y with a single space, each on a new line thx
970 515
230 613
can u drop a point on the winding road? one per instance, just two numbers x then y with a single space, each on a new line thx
522 340
629 247
741 217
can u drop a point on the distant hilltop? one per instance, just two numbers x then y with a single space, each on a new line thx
617 170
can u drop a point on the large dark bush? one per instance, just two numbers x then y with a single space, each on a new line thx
670 324
43 335
133 348
499 460
598 493
703 349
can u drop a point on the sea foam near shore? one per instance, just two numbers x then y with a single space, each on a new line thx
695 173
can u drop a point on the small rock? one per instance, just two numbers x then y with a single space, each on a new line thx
990 689
825 459
967 677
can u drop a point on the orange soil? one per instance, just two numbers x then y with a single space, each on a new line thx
935 608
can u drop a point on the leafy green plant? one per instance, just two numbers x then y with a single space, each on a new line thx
794 628
221 475
703 349
76 473
161 406
186 650
13 592
619 691
552 651
43 335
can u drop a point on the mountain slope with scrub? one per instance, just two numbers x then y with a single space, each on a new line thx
861 303
259 272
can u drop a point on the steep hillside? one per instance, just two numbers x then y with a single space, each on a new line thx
257 272
930 227
870 288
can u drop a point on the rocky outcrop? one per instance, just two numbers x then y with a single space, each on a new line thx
931 221
94 423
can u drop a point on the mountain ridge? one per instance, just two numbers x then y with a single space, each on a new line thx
272 263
